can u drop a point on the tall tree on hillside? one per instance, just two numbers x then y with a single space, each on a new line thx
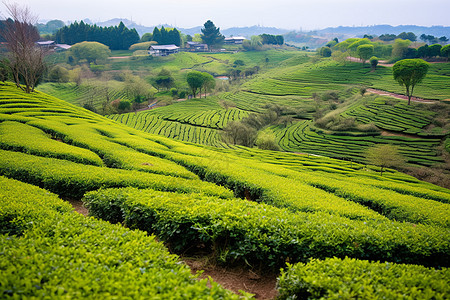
195 81
24 59
410 72
364 52
211 34
445 52
384 156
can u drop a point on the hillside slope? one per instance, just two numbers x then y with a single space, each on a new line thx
246 206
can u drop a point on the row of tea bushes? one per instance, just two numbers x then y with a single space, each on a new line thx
72 180
389 203
50 252
348 278
21 137
95 137
262 234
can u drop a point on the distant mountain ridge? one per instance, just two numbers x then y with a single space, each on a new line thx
248 31
382 29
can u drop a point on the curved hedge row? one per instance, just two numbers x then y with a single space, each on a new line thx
241 230
72 180
348 278
48 251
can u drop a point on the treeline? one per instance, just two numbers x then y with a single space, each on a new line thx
115 37
429 39
270 39
167 36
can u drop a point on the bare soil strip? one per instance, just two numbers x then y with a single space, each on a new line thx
400 96
237 278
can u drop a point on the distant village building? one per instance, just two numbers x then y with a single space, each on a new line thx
46 44
62 47
235 40
196 47
162 50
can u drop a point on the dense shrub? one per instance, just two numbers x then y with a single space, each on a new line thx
49 251
359 279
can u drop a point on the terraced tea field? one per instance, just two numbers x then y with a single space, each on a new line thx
245 206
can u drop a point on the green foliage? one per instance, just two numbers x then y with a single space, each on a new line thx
384 156
400 48
115 37
58 74
124 105
364 52
325 51
34 141
267 141
91 51
239 230
373 62
195 80
360 279
164 79
211 35
445 52
410 72
166 36
48 251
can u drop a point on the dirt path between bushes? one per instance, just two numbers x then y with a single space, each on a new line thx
400 96
233 279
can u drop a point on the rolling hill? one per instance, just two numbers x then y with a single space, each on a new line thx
238 206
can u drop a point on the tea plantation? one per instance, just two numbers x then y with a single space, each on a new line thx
336 227
309 88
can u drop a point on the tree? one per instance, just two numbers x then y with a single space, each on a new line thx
208 82
409 72
407 36
91 51
25 59
195 81
137 89
58 74
373 62
325 52
443 39
239 133
423 51
387 37
384 156
164 79
146 37
445 52
364 52
211 34
434 50
400 48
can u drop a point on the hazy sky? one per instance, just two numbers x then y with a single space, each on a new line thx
289 14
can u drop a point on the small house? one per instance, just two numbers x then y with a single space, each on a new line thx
235 40
46 44
162 50
62 47
196 47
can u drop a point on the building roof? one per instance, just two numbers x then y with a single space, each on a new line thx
193 43
164 47
235 38
63 46
45 43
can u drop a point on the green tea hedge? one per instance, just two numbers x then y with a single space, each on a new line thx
348 278
235 229
50 252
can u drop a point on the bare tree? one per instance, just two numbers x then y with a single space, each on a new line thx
25 59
